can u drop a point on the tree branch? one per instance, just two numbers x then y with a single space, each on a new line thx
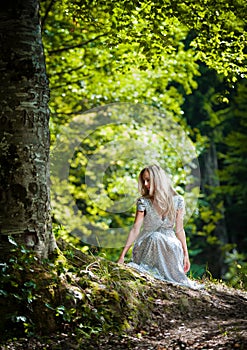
75 46
67 83
46 14
68 71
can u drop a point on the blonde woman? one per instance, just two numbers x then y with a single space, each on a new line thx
160 247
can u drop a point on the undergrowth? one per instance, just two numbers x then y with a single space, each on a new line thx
72 292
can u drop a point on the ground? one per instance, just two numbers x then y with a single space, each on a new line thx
181 318
151 314
216 320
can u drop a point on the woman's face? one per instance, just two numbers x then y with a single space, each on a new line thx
146 179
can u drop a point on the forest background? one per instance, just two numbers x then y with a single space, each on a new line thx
119 72
97 54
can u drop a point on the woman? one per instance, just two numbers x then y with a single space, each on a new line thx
159 249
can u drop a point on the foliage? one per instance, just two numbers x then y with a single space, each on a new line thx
90 72
86 295
144 52
233 163
114 78
17 291
218 29
222 208
236 276
99 52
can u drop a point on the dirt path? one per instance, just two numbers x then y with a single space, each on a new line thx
217 320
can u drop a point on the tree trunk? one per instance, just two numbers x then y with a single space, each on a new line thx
24 130
210 184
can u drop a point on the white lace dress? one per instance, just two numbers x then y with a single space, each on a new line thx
157 250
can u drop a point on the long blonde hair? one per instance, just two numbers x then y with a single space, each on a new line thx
160 192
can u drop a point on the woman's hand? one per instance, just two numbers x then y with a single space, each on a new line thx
121 260
186 264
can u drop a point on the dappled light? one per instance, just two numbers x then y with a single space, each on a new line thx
91 93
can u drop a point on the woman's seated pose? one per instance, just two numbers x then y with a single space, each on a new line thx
160 247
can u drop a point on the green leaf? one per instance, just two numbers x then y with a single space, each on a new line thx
12 241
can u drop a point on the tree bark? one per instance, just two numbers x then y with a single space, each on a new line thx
24 130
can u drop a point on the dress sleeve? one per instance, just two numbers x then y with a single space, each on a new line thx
140 204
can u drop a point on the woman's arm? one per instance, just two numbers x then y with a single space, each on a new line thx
180 233
134 232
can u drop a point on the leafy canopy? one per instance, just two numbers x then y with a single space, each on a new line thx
217 28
